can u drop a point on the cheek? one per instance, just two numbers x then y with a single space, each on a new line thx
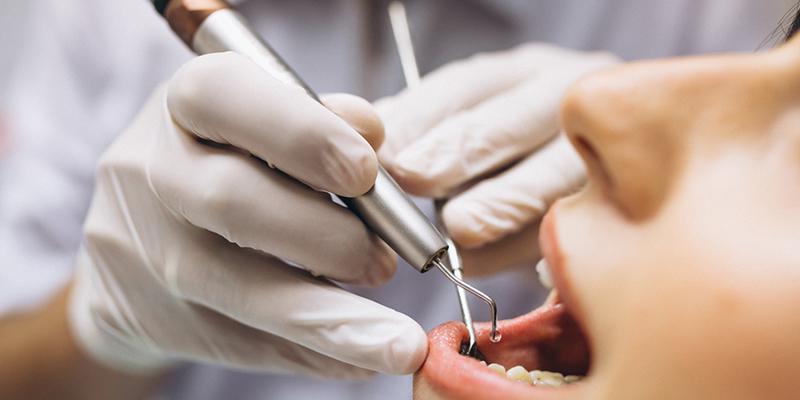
602 253
699 300
692 314
699 295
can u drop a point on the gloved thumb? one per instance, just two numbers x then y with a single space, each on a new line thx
359 114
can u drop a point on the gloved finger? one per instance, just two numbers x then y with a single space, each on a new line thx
235 345
269 295
514 250
503 204
186 331
238 198
462 85
456 86
228 99
492 134
359 114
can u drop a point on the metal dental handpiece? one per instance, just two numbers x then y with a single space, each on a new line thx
209 26
405 48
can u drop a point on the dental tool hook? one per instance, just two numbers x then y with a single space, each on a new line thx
405 48
454 259
495 334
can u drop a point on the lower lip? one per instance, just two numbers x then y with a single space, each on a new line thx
452 375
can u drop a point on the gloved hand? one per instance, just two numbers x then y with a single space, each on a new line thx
191 249
484 132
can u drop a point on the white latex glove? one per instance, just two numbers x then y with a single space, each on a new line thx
187 245
459 133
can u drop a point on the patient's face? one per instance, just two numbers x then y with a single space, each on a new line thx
680 261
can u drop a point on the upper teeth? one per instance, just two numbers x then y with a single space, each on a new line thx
545 277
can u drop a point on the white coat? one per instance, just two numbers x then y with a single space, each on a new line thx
80 69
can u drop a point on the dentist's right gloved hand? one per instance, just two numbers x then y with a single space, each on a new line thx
191 250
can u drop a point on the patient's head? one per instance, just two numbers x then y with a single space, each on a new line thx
679 264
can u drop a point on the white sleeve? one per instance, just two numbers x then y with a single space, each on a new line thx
83 69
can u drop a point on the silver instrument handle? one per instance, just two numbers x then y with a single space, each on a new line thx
385 209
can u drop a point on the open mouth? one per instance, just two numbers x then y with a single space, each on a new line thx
544 354
546 340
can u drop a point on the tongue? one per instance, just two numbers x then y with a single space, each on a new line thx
547 338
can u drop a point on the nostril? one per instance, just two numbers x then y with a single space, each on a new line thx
593 160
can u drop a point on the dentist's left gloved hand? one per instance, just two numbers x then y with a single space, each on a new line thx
484 134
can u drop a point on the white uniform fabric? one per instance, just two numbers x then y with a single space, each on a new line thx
82 69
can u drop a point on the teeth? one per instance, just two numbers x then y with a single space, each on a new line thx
552 298
497 368
545 277
547 378
535 377
519 373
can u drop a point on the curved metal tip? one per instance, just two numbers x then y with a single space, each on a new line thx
495 334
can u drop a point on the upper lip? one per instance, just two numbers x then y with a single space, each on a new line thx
552 252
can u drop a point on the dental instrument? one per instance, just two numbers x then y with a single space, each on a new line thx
405 48
210 26
471 347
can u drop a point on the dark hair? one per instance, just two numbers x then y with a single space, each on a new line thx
787 27
795 26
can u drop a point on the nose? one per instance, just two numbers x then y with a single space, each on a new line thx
630 124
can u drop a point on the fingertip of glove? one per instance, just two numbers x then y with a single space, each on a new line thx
381 266
354 173
351 161
466 224
407 351
359 114
346 164
413 179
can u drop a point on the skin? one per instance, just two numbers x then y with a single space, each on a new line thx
49 365
679 260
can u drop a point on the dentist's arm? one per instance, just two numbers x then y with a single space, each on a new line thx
41 360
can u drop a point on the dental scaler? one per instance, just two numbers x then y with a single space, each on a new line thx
210 26
408 62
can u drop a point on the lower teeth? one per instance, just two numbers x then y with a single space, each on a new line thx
535 377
